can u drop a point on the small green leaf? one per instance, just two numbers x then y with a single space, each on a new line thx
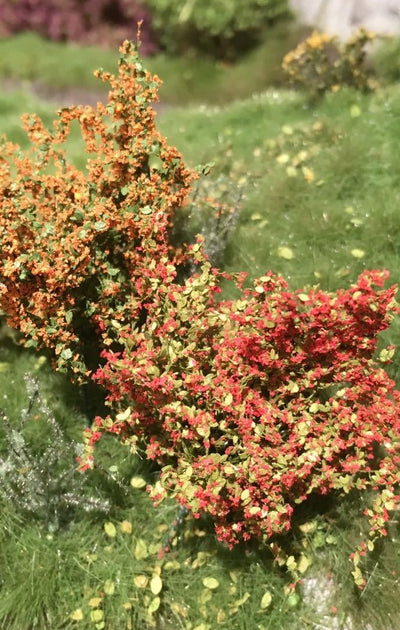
358 577
283 158
205 596
291 563
96 615
355 111
291 171
154 605
228 400
293 600
308 527
303 563
155 162
124 415
109 587
386 355
206 168
140 550
241 601
31 343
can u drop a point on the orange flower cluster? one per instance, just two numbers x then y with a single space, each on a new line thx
76 242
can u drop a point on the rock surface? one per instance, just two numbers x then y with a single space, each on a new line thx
342 17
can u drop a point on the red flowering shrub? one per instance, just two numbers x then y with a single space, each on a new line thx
251 405
76 243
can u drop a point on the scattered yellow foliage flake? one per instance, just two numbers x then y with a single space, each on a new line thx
355 111
96 615
156 585
283 158
110 529
77 615
109 587
210 583
140 581
266 600
126 527
308 174
138 482
285 252
140 550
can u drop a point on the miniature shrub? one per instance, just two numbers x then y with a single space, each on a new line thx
76 243
88 21
216 27
254 404
321 64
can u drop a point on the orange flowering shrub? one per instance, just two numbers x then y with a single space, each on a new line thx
75 243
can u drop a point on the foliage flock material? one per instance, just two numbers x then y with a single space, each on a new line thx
249 405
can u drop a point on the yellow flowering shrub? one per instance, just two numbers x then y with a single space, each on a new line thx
321 64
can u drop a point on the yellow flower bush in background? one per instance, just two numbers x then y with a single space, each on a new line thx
321 64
